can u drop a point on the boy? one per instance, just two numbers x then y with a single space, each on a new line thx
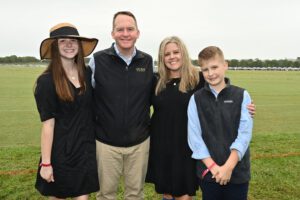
219 131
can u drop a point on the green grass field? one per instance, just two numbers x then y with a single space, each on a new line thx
275 147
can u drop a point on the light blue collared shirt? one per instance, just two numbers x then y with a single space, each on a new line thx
126 59
195 140
92 66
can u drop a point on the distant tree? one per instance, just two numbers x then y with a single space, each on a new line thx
233 63
296 63
257 63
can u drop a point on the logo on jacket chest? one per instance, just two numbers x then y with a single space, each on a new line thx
228 101
140 69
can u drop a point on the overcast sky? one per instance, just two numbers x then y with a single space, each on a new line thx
264 29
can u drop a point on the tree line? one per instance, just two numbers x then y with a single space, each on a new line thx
261 63
13 59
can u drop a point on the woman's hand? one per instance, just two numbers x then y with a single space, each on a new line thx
251 108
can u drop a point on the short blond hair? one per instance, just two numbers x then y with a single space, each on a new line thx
209 53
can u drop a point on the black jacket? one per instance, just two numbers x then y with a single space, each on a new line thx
122 98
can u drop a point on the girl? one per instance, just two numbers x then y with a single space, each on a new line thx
63 97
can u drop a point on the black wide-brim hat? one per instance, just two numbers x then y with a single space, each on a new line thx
66 30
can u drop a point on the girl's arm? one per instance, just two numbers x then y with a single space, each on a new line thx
46 148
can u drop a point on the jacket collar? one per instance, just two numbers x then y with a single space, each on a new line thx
111 51
227 82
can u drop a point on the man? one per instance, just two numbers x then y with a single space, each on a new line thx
122 80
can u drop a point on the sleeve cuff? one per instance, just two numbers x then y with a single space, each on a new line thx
240 155
200 156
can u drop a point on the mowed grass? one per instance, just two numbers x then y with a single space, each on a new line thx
275 147
19 120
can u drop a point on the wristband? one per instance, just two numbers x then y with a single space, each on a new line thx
45 165
208 169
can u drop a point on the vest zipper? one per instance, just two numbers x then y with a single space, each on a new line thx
127 100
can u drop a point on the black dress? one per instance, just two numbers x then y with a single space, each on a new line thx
171 168
73 155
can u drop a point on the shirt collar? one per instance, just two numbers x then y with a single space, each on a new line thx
215 93
126 59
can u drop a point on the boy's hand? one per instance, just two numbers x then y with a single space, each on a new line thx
224 172
215 170
223 175
251 108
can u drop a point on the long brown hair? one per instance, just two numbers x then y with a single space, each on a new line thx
63 86
189 73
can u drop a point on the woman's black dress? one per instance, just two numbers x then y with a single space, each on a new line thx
73 155
171 168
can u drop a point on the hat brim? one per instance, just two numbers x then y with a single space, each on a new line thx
88 45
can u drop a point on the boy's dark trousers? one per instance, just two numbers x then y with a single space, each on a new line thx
215 191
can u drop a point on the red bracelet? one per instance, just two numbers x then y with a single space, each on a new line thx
208 169
45 164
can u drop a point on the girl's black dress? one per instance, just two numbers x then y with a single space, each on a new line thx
171 168
73 155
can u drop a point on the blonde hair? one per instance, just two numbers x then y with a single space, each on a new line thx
209 53
189 73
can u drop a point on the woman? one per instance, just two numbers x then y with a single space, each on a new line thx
171 168
63 96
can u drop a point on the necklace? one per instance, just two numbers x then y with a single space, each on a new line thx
72 74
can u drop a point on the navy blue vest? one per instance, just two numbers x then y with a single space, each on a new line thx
219 119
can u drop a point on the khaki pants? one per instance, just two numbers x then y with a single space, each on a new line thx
131 162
